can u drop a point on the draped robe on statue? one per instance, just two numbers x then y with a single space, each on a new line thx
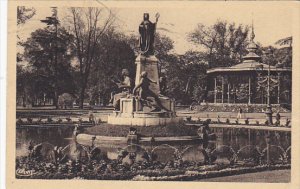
146 30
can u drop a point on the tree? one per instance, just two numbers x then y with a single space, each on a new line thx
113 54
174 74
24 14
50 77
163 45
195 76
224 43
278 57
285 41
88 29
286 53
24 85
186 77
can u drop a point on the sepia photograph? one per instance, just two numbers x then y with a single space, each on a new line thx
192 92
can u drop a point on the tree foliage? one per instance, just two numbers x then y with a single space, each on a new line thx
24 14
224 42
25 85
285 54
186 77
278 57
163 45
285 41
40 51
112 55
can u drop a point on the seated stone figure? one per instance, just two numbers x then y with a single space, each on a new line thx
145 92
124 87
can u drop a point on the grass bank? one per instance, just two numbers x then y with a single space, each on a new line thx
105 129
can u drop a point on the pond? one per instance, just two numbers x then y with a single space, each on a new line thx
231 141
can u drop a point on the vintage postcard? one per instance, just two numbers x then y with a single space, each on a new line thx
171 94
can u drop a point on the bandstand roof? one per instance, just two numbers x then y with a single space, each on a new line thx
247 66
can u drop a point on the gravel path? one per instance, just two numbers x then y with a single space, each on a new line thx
275 176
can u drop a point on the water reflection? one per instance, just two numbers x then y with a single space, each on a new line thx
238 138
54 136
240 142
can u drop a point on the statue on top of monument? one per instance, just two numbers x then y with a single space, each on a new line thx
147 32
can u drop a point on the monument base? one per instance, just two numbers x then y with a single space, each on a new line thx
144 119
132 113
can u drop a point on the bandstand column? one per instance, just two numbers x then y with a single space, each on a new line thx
278 92
249 92
222 89
228 92
233 80
215 95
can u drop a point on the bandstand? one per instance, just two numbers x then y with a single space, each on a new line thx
247 82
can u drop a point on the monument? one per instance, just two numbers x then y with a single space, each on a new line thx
146 105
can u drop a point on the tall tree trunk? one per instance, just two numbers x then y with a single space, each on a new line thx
56 99
82 92
81 98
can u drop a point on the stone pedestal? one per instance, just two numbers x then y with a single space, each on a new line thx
132 113
127 106
165 101
150 65
143 119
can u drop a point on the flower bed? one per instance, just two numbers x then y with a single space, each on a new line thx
27 168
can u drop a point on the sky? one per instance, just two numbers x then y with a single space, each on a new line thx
271 21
